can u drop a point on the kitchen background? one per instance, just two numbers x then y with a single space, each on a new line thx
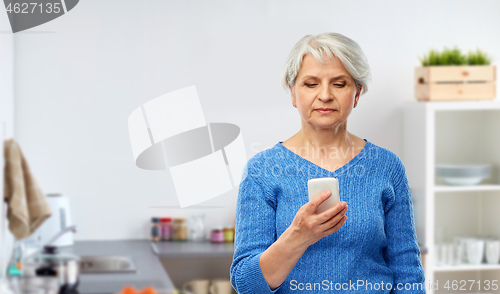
68 86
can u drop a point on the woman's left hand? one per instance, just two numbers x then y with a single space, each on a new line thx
308 227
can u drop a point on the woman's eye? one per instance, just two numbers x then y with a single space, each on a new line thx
340 85
311 85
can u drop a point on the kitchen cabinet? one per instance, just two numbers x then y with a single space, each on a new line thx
461 132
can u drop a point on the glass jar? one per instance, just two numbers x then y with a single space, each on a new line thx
179 229
155 229
228 234
217 235
166 228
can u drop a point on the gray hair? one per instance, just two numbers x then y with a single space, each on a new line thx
333 45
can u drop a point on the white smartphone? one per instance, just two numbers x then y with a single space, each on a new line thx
317 185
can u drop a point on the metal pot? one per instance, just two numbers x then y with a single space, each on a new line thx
34 285
50 263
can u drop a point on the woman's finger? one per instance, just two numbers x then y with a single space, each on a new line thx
337 226
334 220
316 201
332 211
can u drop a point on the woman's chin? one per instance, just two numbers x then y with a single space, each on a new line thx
324 125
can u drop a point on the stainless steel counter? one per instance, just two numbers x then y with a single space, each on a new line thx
150 272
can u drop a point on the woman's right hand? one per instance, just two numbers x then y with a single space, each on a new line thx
308 227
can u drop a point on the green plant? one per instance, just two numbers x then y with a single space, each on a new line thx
479 58
431 59
454 57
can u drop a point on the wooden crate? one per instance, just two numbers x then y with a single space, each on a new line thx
449 83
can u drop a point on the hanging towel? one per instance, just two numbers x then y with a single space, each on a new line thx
27 206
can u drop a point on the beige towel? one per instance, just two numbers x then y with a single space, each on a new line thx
27 206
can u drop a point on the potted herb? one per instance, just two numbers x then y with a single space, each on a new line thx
452 75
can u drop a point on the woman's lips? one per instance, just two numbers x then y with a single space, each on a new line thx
325 111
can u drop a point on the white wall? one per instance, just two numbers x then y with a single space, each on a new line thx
6 128
78 78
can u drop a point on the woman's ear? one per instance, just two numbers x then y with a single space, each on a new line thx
356 97
292 93
358 92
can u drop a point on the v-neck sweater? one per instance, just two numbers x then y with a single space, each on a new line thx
376 246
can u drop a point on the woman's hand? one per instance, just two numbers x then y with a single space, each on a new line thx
308 227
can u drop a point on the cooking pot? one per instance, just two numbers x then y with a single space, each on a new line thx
49 262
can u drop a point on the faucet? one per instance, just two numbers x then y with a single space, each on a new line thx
58 235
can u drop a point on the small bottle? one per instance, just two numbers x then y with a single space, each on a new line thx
155 229
228 234
179 229
166 228
217 235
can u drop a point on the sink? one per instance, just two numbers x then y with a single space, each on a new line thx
106 264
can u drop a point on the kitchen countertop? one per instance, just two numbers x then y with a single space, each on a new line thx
204 249
150 272
146 256
193 249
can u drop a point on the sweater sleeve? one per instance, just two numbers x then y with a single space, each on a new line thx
255 231
402 253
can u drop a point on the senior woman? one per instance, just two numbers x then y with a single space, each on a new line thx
366 243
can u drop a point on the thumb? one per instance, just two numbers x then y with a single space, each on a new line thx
320 198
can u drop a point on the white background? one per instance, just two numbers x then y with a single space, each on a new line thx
76 79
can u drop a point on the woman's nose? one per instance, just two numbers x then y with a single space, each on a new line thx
325 94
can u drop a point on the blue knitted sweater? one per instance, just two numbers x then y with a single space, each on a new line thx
375 251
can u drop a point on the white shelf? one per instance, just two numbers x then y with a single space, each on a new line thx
455 105
444 188
452 132
466 267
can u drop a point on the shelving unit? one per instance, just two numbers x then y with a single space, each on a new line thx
444 188
461 132
466 267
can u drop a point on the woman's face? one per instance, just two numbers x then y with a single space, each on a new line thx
324 94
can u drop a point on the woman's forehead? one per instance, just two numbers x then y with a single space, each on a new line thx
313 68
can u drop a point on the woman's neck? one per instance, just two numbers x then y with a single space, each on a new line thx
322 142
337 136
